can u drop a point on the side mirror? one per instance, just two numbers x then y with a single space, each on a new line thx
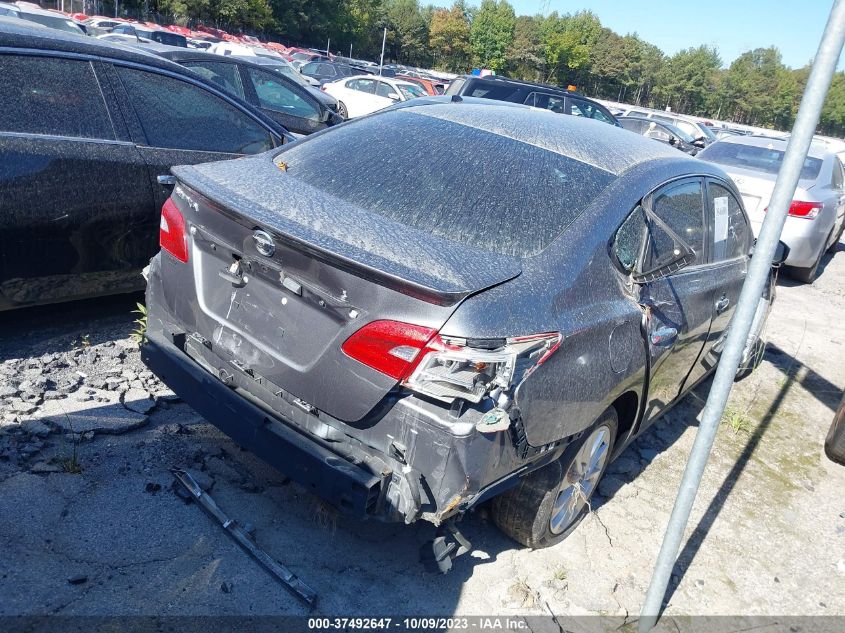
673 140
781 254
393 96
699 142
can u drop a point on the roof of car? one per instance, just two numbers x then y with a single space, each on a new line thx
21 34
261 60
594 142
818 149
521 82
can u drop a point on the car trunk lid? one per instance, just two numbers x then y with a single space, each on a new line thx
281 313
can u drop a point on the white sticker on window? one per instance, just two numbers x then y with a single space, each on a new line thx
720 226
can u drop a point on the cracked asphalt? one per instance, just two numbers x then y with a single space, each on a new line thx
90 524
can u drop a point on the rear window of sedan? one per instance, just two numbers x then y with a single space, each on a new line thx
763 159
457 182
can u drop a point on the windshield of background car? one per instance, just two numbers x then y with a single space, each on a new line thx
686 138
409 91
54 22
763 159
707 132
480 189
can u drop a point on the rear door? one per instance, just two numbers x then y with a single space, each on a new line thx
75 190
178 122
729 242
678 307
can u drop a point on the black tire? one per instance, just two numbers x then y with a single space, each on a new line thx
835 244
834 445
524 512
807 275
342 111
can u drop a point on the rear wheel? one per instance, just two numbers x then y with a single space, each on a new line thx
807 275
548 504
342 111
835 243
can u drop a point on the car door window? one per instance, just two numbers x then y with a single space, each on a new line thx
837 181
662 119
632 124
223 74
681 208
178 115
385 90
275 94
325 70
362 85
579 107
731 234
44 95
657 131
546 101
688 127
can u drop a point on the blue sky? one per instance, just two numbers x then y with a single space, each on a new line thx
732 26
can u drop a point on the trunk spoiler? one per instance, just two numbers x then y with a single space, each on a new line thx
254 191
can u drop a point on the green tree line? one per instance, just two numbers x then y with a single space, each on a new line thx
564 49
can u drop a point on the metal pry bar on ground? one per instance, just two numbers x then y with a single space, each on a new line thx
287 577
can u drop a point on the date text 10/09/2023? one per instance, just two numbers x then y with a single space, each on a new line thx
419 624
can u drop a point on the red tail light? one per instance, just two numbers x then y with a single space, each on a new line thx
391 347
444 368
171 233
806 210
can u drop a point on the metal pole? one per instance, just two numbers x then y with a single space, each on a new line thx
350 50
381 61
328 45
821 74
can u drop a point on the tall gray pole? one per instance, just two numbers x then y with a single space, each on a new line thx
821 74
381 61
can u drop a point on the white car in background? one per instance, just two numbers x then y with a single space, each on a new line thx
817 214
362 94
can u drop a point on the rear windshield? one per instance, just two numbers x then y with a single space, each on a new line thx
476 188
762 159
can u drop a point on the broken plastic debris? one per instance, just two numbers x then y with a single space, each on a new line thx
493 421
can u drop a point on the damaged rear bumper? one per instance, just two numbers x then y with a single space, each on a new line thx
348 487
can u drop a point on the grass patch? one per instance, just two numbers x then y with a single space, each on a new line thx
139 334
738 421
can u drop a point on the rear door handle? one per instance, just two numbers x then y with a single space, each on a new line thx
722 305
166 180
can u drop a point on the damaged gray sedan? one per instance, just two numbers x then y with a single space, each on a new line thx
447 303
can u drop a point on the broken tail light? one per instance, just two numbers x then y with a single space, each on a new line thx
452 369
446 368
801 209
171 234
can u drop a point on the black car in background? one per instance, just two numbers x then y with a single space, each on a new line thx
663 132
284 68
325 72
543 96
154 35
88 134
279 97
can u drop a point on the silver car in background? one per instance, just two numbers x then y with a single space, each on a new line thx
817 213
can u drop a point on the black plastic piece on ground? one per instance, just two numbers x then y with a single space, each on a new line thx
438 554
